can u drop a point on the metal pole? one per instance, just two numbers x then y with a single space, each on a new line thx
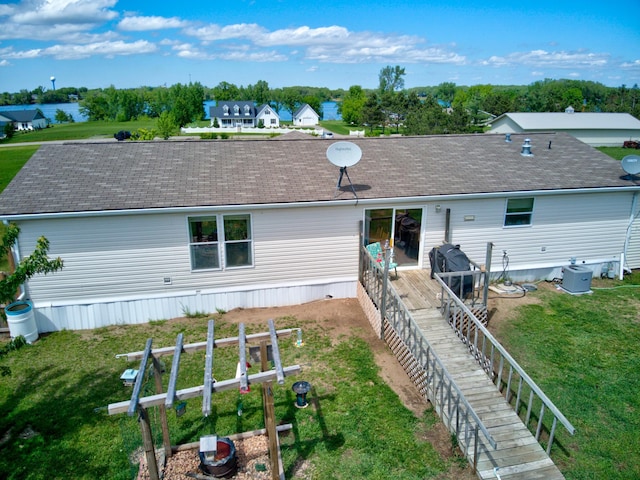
173 377
208 367
157 375
275 349
135 395
244 385
383 300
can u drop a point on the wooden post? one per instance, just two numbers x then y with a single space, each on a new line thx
157 376
147 442
487 273
269 415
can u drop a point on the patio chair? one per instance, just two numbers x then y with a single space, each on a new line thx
376 251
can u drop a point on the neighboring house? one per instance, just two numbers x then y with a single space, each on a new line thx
595 129
24 119
305 116
151 230
233 114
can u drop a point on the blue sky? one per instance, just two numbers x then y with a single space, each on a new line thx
336 44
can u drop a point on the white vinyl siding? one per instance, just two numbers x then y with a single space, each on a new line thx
131 256
589 227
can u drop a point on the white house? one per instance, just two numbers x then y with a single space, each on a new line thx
233 114
305 116
269 116
150 230
24 119
595 129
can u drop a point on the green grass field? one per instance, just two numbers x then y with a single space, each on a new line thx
54 421
583 352
80 130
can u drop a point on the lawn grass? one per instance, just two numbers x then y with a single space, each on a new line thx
583 352
80 130
618 152
54 403
338 126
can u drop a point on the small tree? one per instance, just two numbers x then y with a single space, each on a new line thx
9 130
37 262
61 116
166 125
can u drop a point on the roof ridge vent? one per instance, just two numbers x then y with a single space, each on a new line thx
526 148
569 109
507 137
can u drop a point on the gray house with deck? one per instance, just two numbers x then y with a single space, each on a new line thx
149 230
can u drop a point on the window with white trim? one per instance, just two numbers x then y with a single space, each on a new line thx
519 212
220 241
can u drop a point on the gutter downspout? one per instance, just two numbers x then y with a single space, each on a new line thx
632 218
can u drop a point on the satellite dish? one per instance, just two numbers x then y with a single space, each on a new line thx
631 164
344 154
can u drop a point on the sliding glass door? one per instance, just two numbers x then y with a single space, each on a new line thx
399 226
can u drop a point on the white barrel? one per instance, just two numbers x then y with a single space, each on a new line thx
22 320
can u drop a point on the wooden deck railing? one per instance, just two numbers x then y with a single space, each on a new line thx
442 392
527 399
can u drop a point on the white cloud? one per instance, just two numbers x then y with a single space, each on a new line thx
631 65
45 12
4 63
139 24
75 52
325 44
53 19
212 33
542 58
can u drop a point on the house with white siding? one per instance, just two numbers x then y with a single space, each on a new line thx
151 230
595 129
305 116
24 119
234 114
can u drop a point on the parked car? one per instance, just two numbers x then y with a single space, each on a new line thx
327 135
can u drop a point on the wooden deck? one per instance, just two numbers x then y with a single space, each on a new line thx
518 456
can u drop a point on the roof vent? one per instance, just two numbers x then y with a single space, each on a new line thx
569 109
507 137
526 148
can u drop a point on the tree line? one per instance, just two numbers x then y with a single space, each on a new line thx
445 108
448 108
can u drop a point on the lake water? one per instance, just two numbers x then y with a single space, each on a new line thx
49 110
330 110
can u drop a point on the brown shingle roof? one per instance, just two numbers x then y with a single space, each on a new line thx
140 175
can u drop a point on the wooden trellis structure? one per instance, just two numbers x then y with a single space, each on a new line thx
242 382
